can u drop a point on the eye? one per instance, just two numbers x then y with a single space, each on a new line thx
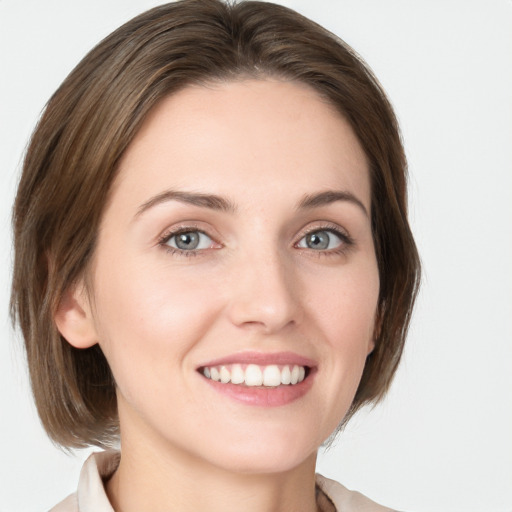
192 240
321 240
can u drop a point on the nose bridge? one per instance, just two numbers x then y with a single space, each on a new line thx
265 289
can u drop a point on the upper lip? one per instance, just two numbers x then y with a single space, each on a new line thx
262 359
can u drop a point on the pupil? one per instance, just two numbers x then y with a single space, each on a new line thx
319 240
187 240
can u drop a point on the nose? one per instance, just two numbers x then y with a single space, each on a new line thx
264 293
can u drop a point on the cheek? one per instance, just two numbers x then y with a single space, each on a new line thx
146 317
346 306
345 312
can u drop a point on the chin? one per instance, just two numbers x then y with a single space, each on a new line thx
256 464
265 452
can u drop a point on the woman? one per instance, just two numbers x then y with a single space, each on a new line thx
213 261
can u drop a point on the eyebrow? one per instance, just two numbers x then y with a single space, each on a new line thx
329 197
210 201
215 202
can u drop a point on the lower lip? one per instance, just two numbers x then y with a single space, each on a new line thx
264 396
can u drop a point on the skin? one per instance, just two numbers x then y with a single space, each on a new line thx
158 313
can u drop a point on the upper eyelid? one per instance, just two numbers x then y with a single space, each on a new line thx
185 227
172 234
325 226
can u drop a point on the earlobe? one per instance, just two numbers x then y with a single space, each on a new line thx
371 346
377 329
74 318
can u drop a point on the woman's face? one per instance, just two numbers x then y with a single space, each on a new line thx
236 246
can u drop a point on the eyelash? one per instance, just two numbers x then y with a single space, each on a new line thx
164 239
347 242
346 239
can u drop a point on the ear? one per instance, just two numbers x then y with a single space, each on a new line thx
371 346
74 318
377 329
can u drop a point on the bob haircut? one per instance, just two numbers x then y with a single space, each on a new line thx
73 156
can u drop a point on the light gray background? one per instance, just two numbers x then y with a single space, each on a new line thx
442 441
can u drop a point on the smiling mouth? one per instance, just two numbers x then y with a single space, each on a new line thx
253 375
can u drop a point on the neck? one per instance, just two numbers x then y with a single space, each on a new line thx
155 476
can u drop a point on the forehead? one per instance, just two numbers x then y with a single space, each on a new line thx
245 135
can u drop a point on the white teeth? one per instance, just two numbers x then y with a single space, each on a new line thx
214 374
237 374
254 375
286 375
295 375
225 376
271 376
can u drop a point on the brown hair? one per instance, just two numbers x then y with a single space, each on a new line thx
88 123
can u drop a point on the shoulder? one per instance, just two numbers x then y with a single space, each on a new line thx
70 504
346 500
91 496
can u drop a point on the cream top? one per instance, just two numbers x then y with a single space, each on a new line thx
91 497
